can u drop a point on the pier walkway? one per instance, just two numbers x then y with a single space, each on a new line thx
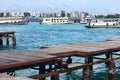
53 60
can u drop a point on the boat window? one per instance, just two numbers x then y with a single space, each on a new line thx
52 20
119 22
107 24
47 19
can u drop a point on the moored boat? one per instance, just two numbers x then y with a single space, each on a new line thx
13 20
103 23
56 20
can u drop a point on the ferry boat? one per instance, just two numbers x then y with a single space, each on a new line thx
56 20
13 20
103 23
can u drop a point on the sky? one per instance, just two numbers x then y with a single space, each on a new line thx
90 6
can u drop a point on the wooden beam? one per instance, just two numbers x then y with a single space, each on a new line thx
98 58
43 75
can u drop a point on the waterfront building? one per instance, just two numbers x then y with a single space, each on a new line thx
83 15
49 15
68 14
76 14
54 15
63 14
26 14
20 14
1 14
90 16
35 14
44 15
40 15
7 14
58 14
14 14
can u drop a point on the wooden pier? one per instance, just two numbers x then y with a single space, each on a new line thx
7 77
49 60
7 35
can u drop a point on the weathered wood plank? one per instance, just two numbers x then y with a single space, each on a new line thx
44 75
7 77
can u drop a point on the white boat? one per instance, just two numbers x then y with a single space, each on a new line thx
56 20
104 23
13 20
83 21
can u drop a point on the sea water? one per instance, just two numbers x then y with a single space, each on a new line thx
34 35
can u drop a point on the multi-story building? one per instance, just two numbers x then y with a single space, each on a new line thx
83 15
63 14
7 14
54 15
26 14
35 14
1 14
76 14
58 15
20 14
68 14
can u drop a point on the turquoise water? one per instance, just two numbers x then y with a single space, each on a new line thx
35 35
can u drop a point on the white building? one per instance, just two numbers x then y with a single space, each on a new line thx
14 14
35 14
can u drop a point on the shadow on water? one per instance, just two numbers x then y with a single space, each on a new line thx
10 47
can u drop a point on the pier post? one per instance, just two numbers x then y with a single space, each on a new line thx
86 71
55 77
50 67
7 40
14 41
90 60
42 70
111 69
107 57
1 41
69 60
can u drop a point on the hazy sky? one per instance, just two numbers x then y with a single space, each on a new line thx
91 6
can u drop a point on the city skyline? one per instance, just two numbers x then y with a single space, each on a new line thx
92 6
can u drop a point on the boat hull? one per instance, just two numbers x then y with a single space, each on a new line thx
104 26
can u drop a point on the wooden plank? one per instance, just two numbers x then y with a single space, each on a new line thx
84 48
7 77
37 53
44 75
30 55
12 59
6 61
6 32
77 64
